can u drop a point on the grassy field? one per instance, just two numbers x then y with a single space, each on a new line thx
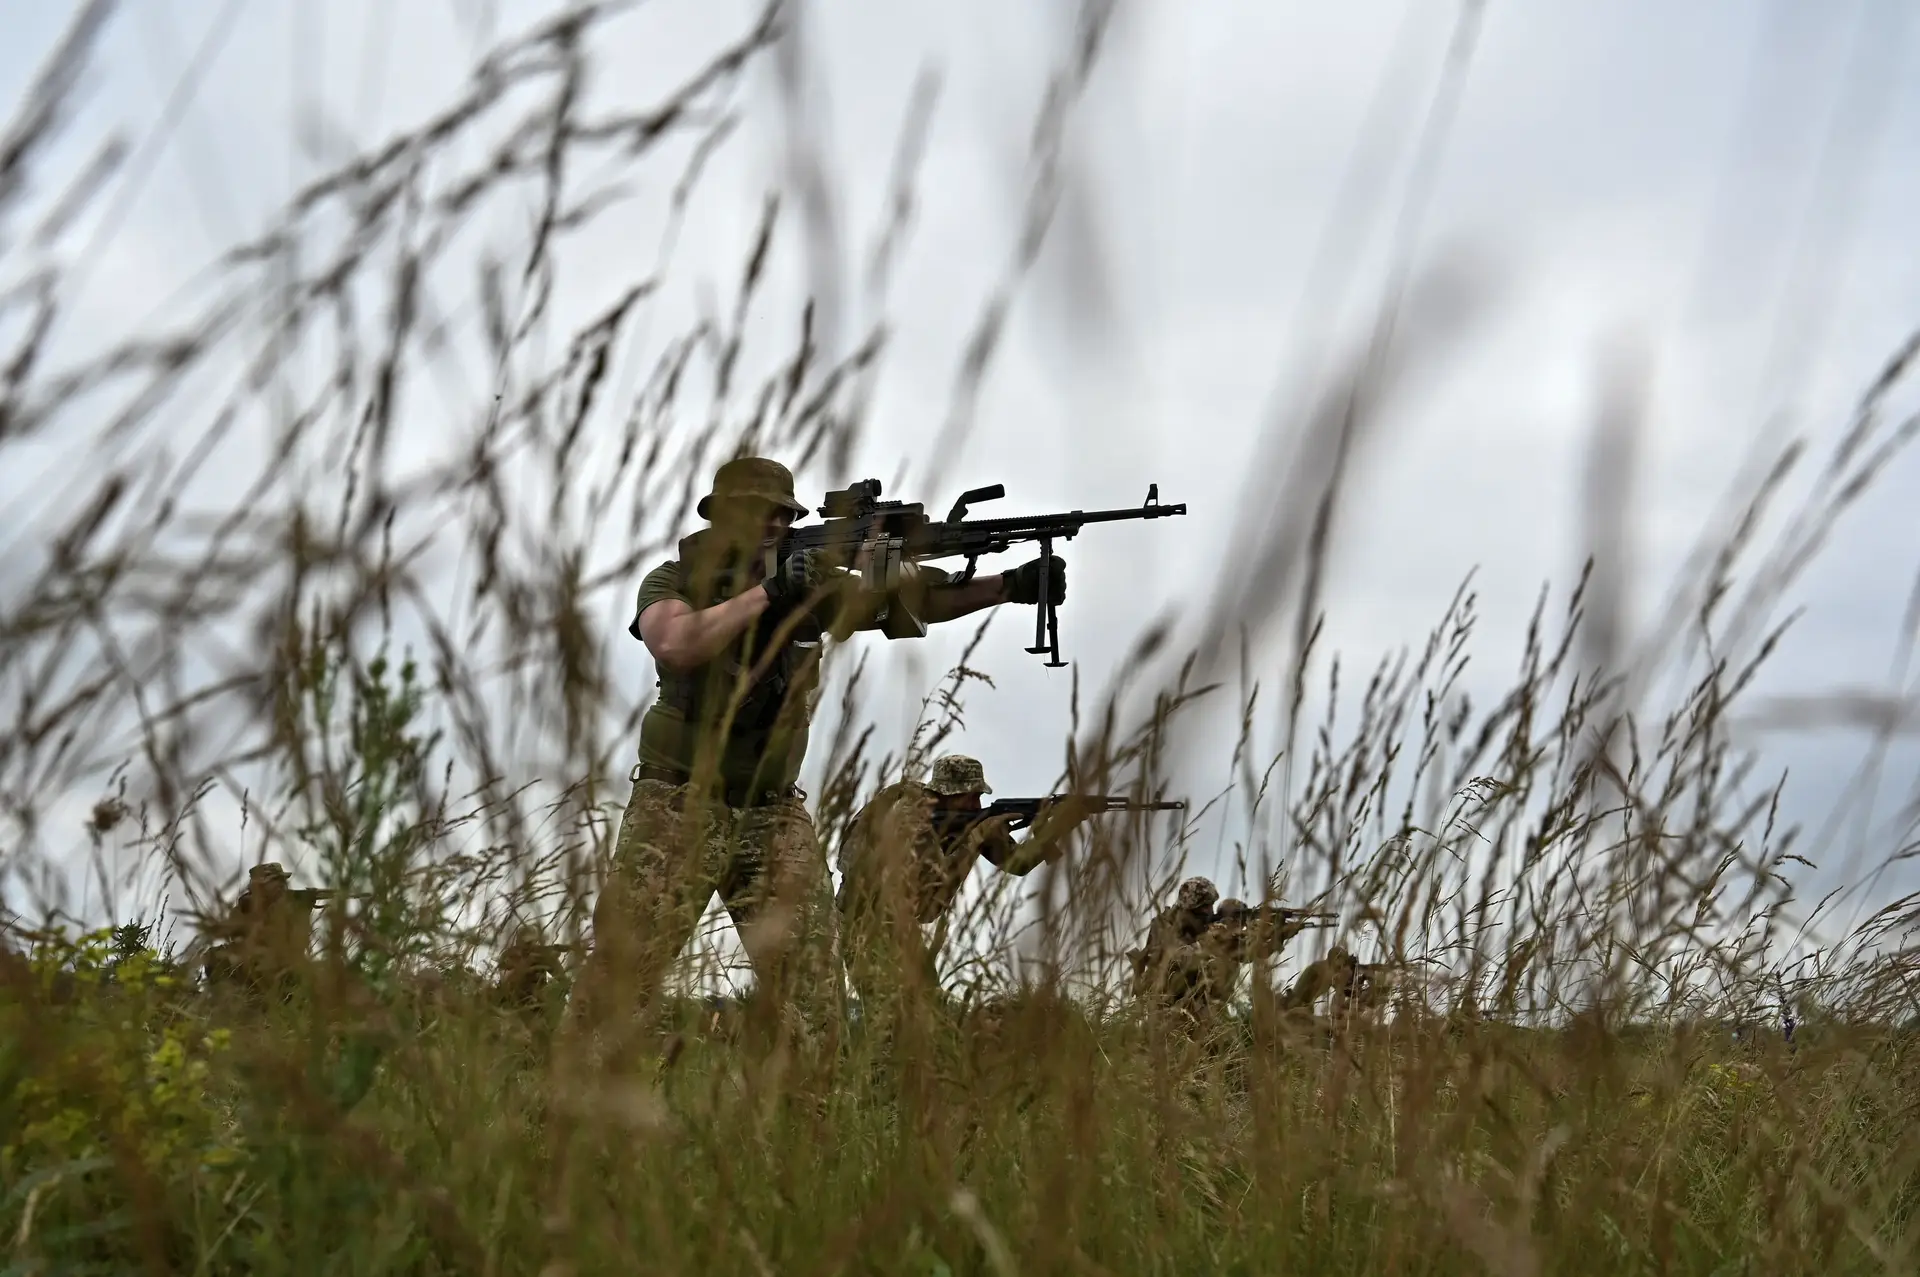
148 1128
1587 1098
1623 1044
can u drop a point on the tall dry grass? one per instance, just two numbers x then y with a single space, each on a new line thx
1614 1048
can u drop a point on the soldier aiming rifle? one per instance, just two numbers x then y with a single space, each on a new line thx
1243 934
887 542
1369 984
528 966
1256 932
264 941
1194 950
734 624
1332 974
910 849
1353 985
1020 813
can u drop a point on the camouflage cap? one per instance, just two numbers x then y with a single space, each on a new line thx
752 478
958 774
1233 909
268 871
1197 895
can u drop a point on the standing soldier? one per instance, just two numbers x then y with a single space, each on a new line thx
715 806
906 857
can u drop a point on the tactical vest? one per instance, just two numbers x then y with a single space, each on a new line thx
699 693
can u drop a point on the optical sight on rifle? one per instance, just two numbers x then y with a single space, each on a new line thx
881 541
892 534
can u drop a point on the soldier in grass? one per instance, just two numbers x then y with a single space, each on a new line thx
715 805
1236 937
1173 970
1335 975
1243 935
263 943
905 858
1194 951
1370 986
528 967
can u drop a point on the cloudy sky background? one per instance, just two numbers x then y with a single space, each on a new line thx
1728 184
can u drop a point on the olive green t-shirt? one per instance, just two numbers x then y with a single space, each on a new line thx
769 760
749 760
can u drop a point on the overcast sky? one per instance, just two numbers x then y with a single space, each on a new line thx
1729 183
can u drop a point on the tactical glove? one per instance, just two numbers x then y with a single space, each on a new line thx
1023 583
795 579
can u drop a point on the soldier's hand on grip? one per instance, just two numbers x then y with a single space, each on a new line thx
796 578
1023 583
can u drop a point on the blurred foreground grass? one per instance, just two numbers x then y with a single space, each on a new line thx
1626 1053
400 1110
151 1127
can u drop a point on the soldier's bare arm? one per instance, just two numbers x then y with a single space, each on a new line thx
952 602
942 601
683 639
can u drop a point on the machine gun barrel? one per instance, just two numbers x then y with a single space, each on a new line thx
891 534
1063 525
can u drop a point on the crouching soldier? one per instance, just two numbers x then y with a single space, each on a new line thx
528 969
1173 970
907 855
264 942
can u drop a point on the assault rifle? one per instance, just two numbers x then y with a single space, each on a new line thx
314 897
879 539
1233 911
1267 926
294 898
1025 811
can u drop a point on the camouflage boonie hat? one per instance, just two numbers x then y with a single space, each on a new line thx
752 478
1232 909
270 871
1197 895
958 774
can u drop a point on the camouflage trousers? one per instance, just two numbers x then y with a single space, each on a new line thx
888 957
672 854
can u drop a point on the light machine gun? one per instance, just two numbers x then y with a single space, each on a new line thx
881 540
